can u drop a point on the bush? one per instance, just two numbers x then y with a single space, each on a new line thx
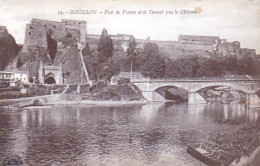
72 88
124 81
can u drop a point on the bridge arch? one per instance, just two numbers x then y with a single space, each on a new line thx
170 86
174 93
159 85
209 87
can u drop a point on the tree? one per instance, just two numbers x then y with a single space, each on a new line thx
229 65
151 48
86 51
19 63
105 46
131 50
248 66
153 64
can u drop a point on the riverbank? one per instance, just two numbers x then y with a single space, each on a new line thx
124 94
92 102
49 100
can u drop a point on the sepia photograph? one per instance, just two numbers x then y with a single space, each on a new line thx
130 82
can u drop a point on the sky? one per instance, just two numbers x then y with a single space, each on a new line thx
234 20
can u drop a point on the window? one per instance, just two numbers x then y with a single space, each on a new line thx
29 33
54 26
45 25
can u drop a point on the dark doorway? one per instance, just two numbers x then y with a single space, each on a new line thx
50 80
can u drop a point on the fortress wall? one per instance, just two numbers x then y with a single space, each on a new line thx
35 33
197 42
90 36
74 23
125 38
54 29
74 33
77 29
83 33
228 49
187 46
3 28
35 36
245 52
198 47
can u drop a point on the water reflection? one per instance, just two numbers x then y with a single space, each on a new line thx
152 134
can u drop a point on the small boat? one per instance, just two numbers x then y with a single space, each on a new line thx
208 155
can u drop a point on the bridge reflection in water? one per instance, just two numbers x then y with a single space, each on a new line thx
152 134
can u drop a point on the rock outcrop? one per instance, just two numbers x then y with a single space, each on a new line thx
8 48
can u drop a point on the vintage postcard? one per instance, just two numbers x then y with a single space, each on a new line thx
130 82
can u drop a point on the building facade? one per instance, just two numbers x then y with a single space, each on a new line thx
13 76
21 76
50 74
6 76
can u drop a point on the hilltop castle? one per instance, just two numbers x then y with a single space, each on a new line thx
50 51
187 45
40 33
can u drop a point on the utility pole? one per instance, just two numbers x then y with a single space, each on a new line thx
80 47
131 70
82 71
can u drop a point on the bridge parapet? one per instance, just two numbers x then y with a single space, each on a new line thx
194 86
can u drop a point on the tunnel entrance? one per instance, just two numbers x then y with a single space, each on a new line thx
50 80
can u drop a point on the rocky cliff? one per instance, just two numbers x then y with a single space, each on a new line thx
8 48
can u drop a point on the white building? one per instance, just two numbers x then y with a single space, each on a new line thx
6 76
13 76
21 76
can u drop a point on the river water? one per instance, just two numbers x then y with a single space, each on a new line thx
152 134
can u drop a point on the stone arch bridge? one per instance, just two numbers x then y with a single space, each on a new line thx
248 86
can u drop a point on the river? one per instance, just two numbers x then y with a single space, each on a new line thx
152 134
